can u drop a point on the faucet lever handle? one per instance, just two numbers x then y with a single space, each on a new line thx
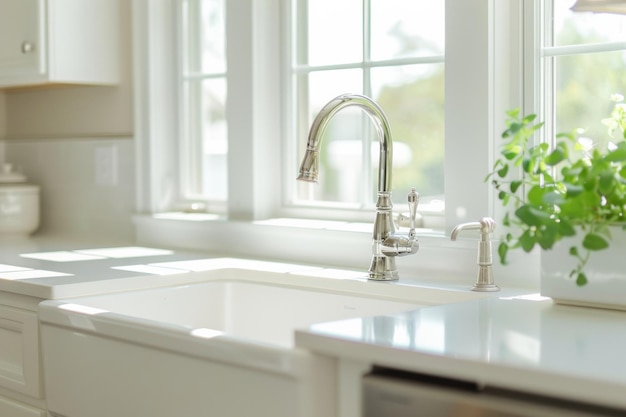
413 199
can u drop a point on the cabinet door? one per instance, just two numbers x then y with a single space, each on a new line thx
19 351
22 44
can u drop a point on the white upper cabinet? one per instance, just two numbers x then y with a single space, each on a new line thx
59 42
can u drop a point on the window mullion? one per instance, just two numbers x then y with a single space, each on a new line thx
301 33
367 22
194 151
366 145
190 165
469 94
368 63
548 72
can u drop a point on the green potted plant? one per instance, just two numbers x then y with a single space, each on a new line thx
570 192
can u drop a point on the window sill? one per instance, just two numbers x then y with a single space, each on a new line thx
328 244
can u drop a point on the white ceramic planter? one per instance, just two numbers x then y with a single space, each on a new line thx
605 271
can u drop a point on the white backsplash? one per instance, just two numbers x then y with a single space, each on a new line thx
87 185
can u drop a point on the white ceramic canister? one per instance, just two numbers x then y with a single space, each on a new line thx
19 203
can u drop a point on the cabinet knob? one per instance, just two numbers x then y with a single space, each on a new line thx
27 47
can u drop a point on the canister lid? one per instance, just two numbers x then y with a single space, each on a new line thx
17 188
9 175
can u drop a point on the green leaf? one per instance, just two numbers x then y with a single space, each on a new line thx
538 125
591 199
503 171
529 119
571 171
556 156
515 186
540 149
582 205
552 197
572 208
565 228
618 154
503 249
606 180
573 190
509 154
541 167
569 136
581 279
573 251
535 195
514 127
513 113
527 241
589 184
547 237
594 241
531 215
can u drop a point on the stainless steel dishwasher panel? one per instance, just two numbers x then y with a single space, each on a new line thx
392 396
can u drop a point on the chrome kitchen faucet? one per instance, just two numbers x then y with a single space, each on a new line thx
386 243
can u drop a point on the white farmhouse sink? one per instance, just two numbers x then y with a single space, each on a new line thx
224 340
255 312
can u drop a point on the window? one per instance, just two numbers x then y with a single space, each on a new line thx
494 51
395 72
203 87
391 51
584 58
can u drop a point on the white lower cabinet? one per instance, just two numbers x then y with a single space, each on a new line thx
10 408
19 356
21 393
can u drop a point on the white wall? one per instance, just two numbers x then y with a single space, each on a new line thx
84 193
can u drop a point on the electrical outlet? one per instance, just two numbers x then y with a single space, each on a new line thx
105 165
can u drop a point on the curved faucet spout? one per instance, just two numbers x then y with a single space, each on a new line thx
310 163
386 245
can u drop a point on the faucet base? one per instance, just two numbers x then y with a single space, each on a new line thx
383 268
485 287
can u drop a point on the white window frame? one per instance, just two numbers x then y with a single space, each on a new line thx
359 210
192 149
546 94
481 83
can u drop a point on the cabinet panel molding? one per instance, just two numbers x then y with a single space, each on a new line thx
19 351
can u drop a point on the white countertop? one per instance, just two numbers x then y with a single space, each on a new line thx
522 343
56 268
53 269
